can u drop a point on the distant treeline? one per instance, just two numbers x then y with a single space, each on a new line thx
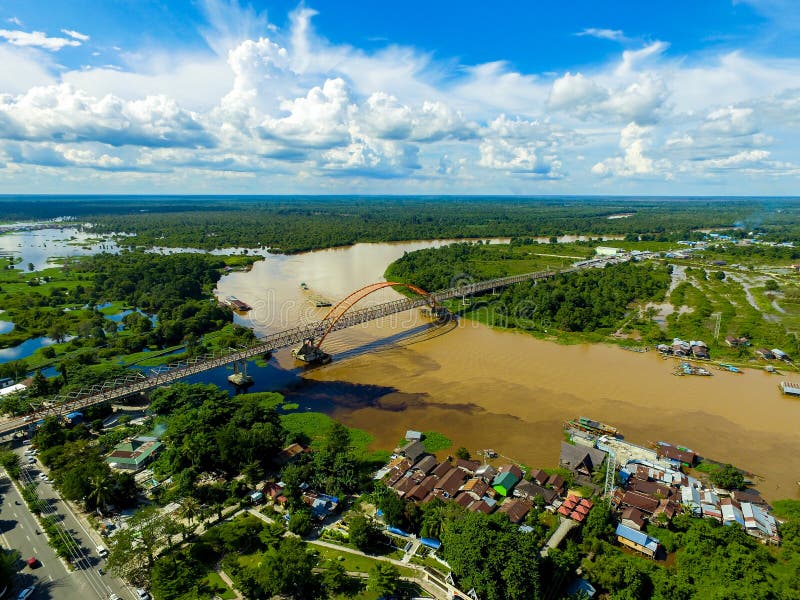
300 223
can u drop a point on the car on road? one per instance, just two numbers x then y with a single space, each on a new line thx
26 593
30 452
31 460
142 594
113 596
102 551
43 476
32 562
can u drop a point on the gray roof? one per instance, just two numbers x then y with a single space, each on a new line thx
528 489
427 464
413 451
573 457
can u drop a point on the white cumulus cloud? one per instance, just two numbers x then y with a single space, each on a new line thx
36 39
634 140
65 114
81 37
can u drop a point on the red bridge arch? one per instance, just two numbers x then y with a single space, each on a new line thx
338 311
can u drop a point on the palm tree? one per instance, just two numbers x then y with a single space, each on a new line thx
100 491
190 509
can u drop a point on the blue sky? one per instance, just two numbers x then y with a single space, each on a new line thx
214 96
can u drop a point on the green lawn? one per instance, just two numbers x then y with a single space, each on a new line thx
215 582
316 425
355 562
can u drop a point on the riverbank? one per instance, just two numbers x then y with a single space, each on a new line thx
476 385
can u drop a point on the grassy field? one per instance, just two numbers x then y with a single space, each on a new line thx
356 562
218 586
316 425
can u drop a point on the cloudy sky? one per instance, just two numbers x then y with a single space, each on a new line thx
414 97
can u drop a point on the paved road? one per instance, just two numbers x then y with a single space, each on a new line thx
54 580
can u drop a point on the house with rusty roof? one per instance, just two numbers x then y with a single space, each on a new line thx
513 469
476 487
643 502
539 476
675 454
470 466
290 453
451 482
557 482
515 509
633 518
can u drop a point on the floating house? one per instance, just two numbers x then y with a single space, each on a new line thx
790 389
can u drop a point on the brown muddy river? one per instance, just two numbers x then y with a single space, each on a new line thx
507 391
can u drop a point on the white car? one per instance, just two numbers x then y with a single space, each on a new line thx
102 551
31 460
114 597
142 594
43 477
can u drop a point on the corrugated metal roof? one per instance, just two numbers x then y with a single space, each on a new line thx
637 537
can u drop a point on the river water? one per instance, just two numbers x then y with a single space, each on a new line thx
503 390
484 388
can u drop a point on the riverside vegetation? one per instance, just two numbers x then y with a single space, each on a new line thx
619 302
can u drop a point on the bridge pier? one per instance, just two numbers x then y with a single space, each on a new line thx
240 378
311 353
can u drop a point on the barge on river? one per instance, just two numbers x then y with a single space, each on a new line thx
237 304
592 426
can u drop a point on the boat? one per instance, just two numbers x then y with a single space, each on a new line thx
690 369
731 368
237 304
303 285
592 426
770 369
635 348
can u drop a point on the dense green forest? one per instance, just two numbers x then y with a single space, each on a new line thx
589 300
169 304
440 268
297 223
585 301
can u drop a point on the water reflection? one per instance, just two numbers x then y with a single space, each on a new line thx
25 349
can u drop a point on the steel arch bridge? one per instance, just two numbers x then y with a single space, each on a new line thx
344 305
341 316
